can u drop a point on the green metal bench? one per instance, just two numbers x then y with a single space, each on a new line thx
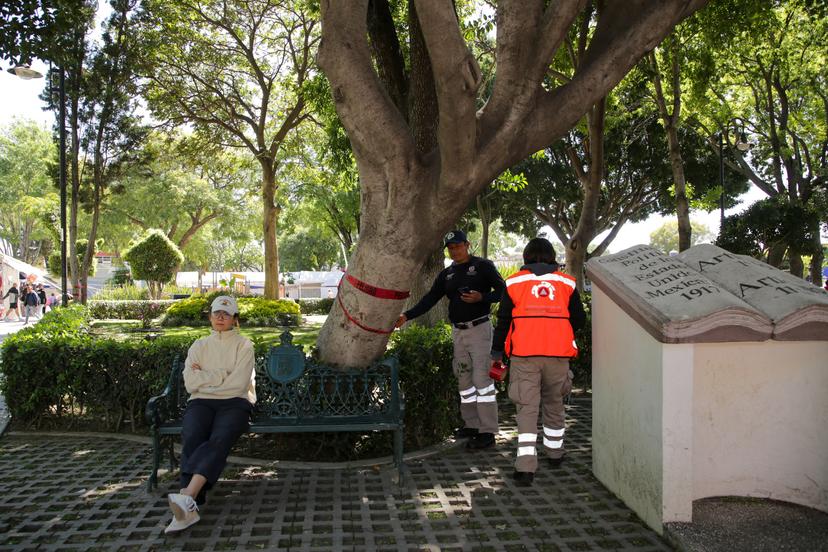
295 395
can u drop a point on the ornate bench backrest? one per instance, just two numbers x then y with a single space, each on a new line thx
310 391
321 391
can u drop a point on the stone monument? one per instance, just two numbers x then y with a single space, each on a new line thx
710 378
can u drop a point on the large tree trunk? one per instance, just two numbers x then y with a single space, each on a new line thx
270 222
776 254
576 248
795 260
671 122
89 254
388 255
411 198
816 262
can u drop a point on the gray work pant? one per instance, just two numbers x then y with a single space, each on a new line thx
478 405
535 384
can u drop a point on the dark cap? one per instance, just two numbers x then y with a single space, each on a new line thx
455 236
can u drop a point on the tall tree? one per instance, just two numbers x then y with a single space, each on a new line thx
27 197
666 94
637 178
413 195
666 238
771 85
326 187
241 72
112 132
181 185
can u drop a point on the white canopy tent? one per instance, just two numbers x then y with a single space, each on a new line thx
14 270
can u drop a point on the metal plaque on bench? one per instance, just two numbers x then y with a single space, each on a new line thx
286 362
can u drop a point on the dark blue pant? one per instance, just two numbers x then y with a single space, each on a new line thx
211 428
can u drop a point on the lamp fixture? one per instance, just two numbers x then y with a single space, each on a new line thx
25 72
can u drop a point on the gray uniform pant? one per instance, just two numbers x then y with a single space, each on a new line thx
478 405
539 383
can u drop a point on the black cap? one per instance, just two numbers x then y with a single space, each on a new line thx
455 236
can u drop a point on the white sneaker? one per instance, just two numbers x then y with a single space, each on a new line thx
181 505
176 525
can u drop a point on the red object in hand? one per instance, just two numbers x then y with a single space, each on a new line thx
498 371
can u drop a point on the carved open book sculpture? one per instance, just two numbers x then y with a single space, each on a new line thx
707 294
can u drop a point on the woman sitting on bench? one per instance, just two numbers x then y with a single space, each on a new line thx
220 377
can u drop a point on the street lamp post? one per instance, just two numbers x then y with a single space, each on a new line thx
742 145
62 180
26 73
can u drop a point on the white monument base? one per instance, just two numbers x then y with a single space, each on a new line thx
673 423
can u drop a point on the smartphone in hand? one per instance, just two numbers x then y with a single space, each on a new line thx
464 289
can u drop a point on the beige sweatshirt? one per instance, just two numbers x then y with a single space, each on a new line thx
227 367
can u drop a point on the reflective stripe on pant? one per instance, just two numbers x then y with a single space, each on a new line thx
535 385
478 405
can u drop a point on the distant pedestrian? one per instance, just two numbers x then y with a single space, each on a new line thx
219 376
41 294
31 302
13 294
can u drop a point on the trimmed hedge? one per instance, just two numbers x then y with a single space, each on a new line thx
143 310
315 306
56 375
253 310
432 410
55 370
582 364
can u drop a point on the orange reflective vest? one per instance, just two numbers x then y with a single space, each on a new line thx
540 317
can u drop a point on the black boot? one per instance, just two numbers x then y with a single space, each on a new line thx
523 479
556 462
464 432
481 441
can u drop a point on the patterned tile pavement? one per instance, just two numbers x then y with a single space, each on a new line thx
84 493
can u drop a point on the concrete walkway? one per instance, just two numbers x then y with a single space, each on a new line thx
81 493
6 328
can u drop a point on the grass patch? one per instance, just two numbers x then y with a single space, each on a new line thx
123 330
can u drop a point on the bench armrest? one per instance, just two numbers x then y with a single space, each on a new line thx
160 407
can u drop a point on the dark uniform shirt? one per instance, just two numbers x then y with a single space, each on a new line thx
478 275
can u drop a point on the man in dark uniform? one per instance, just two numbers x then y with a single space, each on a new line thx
471 284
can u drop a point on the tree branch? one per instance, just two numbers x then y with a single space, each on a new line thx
346 60
457 78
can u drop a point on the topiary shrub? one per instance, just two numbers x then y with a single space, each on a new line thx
191 311
154 258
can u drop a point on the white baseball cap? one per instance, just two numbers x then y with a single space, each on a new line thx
225 303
